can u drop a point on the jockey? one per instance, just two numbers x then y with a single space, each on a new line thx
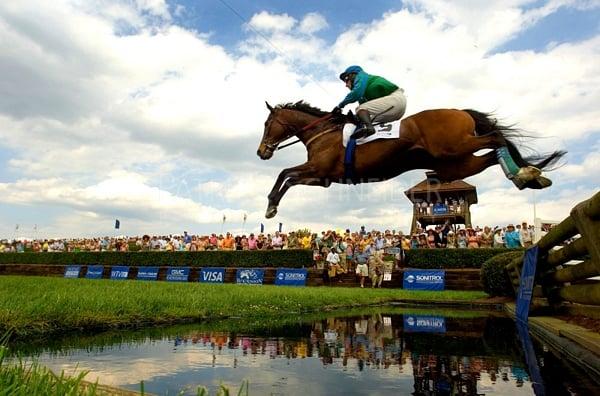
376 95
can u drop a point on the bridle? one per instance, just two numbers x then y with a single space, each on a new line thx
295 131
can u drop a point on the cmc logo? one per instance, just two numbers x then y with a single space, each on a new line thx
248 274
410 278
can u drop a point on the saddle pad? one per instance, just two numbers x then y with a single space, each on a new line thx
389 130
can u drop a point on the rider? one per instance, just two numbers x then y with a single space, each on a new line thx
376 95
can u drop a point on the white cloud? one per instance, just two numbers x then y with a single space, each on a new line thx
267 22
312 23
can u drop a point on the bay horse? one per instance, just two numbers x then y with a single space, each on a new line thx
442 140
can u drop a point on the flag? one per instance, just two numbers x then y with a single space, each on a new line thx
245 217
262 228
17 227
224 218
117 224
280 226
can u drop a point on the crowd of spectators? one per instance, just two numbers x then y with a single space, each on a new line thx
441 236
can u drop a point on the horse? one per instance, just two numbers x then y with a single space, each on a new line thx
442 140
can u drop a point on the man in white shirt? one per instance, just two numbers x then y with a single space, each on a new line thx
333 264
277 241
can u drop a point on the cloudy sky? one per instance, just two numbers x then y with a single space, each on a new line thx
151 111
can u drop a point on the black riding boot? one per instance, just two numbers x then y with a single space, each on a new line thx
367 129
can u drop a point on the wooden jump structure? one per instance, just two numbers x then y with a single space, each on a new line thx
560 281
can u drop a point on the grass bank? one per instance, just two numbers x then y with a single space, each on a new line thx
40 306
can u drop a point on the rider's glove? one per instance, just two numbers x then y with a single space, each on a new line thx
336 111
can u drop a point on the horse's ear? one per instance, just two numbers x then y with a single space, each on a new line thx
269 106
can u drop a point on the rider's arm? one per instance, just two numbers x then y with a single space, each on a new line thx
358 90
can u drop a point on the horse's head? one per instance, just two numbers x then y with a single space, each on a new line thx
277 129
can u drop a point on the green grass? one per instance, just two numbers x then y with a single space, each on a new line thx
27 378
36 306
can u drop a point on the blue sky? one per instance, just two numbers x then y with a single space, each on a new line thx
124 108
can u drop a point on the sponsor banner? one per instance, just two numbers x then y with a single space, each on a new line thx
178 274
387 276
424 280
212 275
291 276
249 276
424 324
147 273
72 271
527 281
119 272
439 209
94 272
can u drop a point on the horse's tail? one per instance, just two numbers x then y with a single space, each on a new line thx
485 124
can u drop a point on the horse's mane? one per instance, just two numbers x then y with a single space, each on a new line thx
307 108
304 107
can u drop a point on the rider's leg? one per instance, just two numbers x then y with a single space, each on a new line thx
367 128
385 109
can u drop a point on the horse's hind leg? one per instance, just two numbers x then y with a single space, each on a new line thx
466 166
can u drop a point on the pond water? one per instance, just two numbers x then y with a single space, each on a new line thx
379 352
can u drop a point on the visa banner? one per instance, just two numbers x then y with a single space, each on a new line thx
424 324
424 280
94 272
212 275
249 276
119 272
147 273
291 276
178 274
72 271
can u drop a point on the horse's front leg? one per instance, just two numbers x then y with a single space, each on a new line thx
293 181
275 195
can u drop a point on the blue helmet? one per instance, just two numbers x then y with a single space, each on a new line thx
351 69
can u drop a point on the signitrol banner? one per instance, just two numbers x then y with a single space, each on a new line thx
424 324
291 276
178 274
147 273
72 271
119 272
424 280
94 272
212 275
249 276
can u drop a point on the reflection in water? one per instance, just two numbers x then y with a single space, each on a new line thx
373 354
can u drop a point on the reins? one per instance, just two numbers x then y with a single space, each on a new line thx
306 128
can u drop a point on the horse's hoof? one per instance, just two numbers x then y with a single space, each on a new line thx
271 212
539 183
528 173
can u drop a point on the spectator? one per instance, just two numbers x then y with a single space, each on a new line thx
376 267
511 237
498 239
333 264
461 239
472 239
487 237
526 237
451 240
362 269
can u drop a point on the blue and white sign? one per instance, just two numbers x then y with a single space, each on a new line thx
424 324
212 275
119 272
424 280
291 276
178 274
439 209
147 273
72 271
94 272
527 281
250 276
